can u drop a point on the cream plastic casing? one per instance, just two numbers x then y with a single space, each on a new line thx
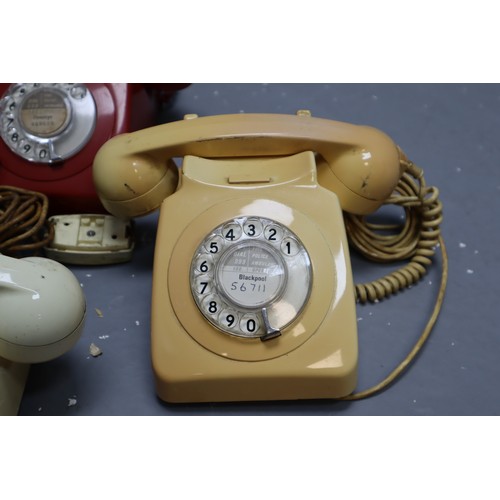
316 355
297 170
42 307
134 172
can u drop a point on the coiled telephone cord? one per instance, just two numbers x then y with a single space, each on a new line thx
23 224
417 239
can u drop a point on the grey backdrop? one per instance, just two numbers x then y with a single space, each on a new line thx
452 131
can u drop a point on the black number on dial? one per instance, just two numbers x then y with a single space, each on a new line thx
272 234
230 320
251 325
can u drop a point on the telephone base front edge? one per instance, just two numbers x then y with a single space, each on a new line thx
289 377
13 378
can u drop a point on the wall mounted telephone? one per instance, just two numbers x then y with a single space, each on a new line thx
253 296
50 133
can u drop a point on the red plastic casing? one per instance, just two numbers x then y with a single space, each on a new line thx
121 108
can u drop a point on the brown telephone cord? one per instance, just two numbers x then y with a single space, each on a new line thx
417 239
23 224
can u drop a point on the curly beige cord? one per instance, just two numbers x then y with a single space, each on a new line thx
23 225
417 239
420 342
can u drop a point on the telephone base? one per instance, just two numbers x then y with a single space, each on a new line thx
258 234
286 378
13 378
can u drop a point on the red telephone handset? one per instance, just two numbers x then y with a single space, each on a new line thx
50 133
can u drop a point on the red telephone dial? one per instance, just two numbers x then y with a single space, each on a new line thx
50 133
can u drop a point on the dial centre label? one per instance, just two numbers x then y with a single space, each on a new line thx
251 275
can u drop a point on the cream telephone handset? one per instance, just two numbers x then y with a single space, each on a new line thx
252 289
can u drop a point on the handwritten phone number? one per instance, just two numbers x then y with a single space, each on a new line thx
248 287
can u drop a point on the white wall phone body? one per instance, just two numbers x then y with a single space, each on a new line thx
252 290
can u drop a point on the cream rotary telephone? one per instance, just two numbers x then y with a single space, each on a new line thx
253 297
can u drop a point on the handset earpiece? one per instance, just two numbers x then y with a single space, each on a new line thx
134 172
362 168
42 311
42 308
135 184
364 176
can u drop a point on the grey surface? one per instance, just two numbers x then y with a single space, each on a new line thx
452 131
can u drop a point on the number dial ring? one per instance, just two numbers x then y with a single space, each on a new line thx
251 267
231 346
39 133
